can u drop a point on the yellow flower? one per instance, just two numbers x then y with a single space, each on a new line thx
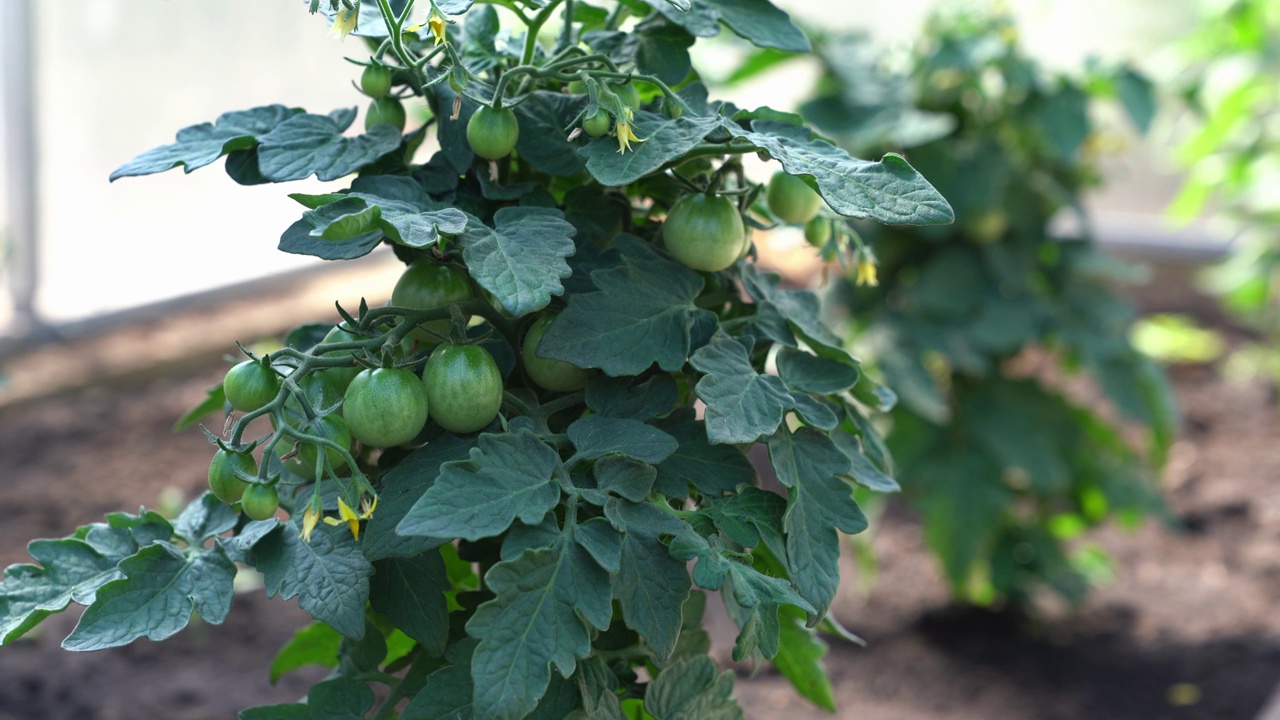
343 23
437 23
866 273
309 519
347 515
625 134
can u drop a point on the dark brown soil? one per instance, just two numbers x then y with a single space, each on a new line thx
1187 629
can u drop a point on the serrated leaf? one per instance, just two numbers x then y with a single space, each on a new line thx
161 587
651 585
799 308
756 600
762 24
395 206
340 699
665 140
692 689
546 603
204 518
315 644
200 145
298 240
819 503
543 141
522 259
624 477
410 592
329 575
642 314
402 487
799 659
742 404
507 476
448 692
215 399
861 469
70 570
751 516
712 469
307 144
807 373
625 397
815 412
890 191
596 436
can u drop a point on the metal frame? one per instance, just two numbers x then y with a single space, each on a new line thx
22 236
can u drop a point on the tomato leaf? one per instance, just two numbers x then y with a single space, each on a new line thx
315 644
819 503
522 259
410 592
628 398
329 575
799 659
446 693
806 373
161 587
204 518
625 477
507 476
712 469
547 600
665 140
596 436
651 585
297 239
307 144
200 145
402 487
215 399
692 688
642 314
69 570
799 309
742 404
545 119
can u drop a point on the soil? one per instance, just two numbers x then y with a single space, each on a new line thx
1186 629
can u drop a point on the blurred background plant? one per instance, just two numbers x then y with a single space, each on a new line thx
1020 393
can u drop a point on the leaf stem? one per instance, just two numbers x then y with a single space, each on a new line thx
535 27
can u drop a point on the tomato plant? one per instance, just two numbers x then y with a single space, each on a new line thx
530 545
375 81
224 474
385 111
250 385
791 200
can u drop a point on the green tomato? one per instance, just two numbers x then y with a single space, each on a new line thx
343 375
323 392
597 125
260 501
628 94
223 481
250 386
491 133
555 375
791 200
705 232
385 407
330 427
385 111
427 285
464 387
375 81
817 231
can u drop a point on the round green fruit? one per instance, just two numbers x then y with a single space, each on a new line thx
555 375
250 386
791 200
385 111
597 125
464 387
223 480
260 501
428 285
817 231
375 81
705 232
491 133
385 407
329 427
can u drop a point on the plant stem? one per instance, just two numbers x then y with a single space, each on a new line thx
535 27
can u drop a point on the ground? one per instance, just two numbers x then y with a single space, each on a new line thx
1187 629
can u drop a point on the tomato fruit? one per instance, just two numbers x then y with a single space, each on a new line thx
464 387
260 501
330 427
705 232
385 111
322 391
628 94
223 480
427 285
555 375
597 125
343 375
385 407
817 231
375 81
491 133
250 386
791 200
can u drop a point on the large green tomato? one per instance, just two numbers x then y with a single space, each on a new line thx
556 375
344 375
260 501
705 232
223 481
427 285
464 387
597 125
385 111
791 200
491 133
385 407
375 81
250 386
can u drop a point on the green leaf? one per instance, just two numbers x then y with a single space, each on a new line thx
546 603
862 470
651 585
819 503
596 436
414 221
628 397
340 699
307 144
543 142
329 575
410 592
215 399
815 412
70 570
161 587
298 240
1063 118
1138 97
799 659
642 314
204 518
665 140
508 476
624 477
801 311
712 469
292 711
807 373
448 692
756 600
764 25
402 487
962 498
315 644
742 404
522 260
750 516
889 191
692 689
200 145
